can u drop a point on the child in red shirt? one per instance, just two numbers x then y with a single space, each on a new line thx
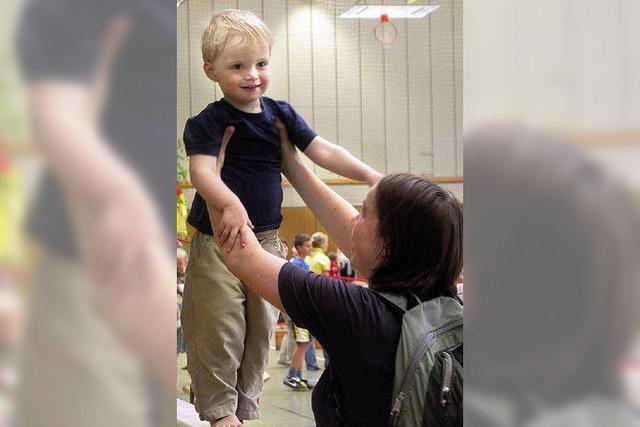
334 269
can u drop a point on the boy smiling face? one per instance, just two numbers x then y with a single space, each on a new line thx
242 70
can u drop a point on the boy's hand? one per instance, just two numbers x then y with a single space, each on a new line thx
228 223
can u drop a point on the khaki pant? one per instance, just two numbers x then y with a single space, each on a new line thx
227 329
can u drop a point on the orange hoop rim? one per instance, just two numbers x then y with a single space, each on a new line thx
384 19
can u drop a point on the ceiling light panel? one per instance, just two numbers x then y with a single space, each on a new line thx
393 12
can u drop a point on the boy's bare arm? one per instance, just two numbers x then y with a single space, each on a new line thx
209 184
339 160
215 192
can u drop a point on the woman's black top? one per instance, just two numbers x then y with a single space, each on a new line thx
359 331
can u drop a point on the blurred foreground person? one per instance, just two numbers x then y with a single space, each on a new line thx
551 261
100 338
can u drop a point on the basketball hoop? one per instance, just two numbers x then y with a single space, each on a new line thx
385 31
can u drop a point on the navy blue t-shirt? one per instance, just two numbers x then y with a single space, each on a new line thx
360 333
253 157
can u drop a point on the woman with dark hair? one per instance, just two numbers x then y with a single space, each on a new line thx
410 208
407 238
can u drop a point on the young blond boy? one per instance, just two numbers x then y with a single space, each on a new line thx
227 327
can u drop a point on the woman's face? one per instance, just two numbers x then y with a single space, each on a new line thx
367 245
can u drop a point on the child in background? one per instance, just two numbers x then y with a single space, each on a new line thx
294 378
334 267
318 260
302 245
289 342
227 327
320 264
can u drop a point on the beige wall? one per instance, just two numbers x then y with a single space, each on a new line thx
398 108
554 64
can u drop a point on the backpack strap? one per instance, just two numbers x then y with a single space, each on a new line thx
400 302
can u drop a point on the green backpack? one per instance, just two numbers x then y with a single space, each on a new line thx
427 387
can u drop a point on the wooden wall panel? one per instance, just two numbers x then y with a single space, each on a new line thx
300 220
295 221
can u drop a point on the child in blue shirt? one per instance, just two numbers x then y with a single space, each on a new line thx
226 326
302 243
303 338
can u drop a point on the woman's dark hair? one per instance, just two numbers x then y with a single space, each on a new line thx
421 227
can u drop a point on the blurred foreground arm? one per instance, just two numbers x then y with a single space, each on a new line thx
121 240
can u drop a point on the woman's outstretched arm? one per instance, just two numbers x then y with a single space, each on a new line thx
333 212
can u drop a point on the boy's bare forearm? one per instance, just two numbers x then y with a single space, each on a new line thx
212 189
347 165
339 160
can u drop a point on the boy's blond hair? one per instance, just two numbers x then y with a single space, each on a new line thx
229 24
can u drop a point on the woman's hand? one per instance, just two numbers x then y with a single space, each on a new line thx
232 222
